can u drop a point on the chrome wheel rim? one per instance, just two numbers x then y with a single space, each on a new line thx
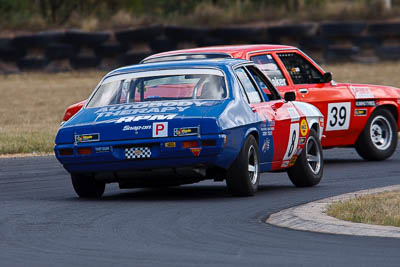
381 132
313 155
252 167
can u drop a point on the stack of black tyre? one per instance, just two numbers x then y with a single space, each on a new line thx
73 49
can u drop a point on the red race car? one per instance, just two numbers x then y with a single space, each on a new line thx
357 115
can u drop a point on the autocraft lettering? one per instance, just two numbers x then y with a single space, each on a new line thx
143 108
146 117
361 92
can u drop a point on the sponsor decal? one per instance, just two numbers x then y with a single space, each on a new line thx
266 145
302 140
321 122
186 131
84 138
136 128
293 160
170 144
102 149
137 152
285 164
365 103
360 112
361 92
294 115
303 127
278 82
147 107
398 101
294 70
196 151
160 117
160 129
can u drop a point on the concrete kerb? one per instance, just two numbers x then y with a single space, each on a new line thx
312 217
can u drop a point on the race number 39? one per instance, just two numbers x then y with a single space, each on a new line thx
160 129
338 116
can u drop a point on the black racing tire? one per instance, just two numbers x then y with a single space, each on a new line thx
109 50
140 34
309 166
86 186
179 33
342 29
367 41
378 140
61 51
241 181
388 52
85 62
293 31
384 29
132 58
41 39
315 42
340 54
77 37
229 34
12 54
162 45
32 64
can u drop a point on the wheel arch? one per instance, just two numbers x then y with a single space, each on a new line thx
393 109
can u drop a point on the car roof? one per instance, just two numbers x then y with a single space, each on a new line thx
213 63
226 49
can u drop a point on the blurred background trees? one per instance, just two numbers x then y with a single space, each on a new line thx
92 14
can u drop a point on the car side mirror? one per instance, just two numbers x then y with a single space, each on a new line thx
327 77
290 96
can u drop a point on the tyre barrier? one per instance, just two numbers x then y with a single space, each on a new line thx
335 41
342 29
292 31
76 37
384 29
32 64
85 62
340 54
388 52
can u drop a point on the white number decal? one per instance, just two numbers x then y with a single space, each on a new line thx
292 142
338 116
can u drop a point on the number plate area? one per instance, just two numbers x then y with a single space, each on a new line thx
137 153
338 116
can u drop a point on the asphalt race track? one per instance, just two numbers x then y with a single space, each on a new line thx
43 223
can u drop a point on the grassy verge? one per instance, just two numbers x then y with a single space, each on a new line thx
32 104
380 209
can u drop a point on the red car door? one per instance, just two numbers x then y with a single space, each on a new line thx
301 75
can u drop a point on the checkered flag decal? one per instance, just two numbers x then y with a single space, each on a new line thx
137 152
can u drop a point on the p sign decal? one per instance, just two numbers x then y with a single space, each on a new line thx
160 129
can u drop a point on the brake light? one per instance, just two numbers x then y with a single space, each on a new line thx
189 144
65 151
84 150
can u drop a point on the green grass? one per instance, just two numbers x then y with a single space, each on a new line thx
379 209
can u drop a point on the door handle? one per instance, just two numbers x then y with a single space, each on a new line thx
303 91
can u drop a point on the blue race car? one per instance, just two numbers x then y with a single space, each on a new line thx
173 123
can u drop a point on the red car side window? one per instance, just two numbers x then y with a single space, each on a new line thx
301 71
268 66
